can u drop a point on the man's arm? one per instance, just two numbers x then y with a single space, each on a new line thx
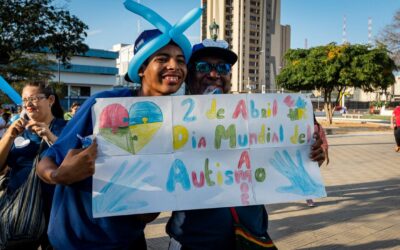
317 153
77 165
392 121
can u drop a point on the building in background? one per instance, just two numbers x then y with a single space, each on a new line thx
86 74
253 30
125 52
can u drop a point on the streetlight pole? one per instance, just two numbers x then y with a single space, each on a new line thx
59 74
262 70
214 30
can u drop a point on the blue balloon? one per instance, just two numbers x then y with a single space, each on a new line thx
169 33
186 21
148 14
145 52
8 90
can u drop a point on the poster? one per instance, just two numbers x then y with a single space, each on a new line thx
203 151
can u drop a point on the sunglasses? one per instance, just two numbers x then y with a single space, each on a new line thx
205 67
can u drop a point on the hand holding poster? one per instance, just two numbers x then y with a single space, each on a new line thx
189 152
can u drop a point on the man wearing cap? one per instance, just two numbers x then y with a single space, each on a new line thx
66 164
210 72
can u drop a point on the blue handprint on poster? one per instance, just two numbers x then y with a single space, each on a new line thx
301 182
290 173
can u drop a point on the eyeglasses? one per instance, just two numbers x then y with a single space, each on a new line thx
33 99
205 67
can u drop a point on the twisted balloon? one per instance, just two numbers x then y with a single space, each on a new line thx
169 32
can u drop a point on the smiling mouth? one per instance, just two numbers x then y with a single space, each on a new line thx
172 79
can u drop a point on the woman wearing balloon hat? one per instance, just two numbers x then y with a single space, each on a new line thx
28 136
159 64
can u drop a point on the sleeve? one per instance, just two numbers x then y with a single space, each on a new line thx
81 123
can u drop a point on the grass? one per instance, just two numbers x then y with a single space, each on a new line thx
377 117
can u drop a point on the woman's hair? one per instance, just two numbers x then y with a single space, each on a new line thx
47 90
74 104
6 116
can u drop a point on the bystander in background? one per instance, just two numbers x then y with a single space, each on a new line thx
4 123
395 125
16 114
320 130
72 111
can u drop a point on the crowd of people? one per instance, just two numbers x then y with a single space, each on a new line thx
9 115
66 168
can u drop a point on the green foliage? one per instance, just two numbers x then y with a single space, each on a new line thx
336 67
30 26
60 89
28 67
27 29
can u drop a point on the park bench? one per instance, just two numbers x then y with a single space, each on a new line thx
352 116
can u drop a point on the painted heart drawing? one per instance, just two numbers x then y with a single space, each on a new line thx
131 130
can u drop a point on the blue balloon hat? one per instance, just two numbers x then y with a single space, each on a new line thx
8 90
167 33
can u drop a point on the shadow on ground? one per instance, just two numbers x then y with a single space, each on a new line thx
374 245
353 203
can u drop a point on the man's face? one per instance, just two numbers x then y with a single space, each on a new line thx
198 82
165 72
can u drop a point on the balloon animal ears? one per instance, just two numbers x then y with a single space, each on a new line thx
149 41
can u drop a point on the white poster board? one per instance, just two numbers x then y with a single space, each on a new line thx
191 152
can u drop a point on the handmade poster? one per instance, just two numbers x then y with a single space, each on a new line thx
192 152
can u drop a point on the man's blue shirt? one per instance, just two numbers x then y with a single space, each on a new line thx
213 228
72 225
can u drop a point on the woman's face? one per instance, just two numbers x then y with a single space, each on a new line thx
37 105
74 109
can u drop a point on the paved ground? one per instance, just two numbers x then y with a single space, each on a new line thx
362 210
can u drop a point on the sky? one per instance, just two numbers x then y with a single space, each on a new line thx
318 21
321 21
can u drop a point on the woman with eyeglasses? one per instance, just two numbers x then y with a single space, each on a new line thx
41 123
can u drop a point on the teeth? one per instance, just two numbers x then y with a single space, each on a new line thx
172 78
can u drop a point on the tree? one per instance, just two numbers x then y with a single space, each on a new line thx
31 27
27 67
334 68
390 36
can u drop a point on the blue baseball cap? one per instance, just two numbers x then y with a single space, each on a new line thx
211 48
144 37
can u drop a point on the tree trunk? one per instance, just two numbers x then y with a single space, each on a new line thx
328 106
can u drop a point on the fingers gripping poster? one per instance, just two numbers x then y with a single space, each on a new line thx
191 152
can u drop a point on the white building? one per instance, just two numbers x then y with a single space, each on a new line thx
125 52
86 75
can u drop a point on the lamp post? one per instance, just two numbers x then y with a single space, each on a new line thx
262 75
214 30
59 73
250 85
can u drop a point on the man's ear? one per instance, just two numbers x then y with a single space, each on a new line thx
141 70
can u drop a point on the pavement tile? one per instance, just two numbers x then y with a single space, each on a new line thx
362 210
